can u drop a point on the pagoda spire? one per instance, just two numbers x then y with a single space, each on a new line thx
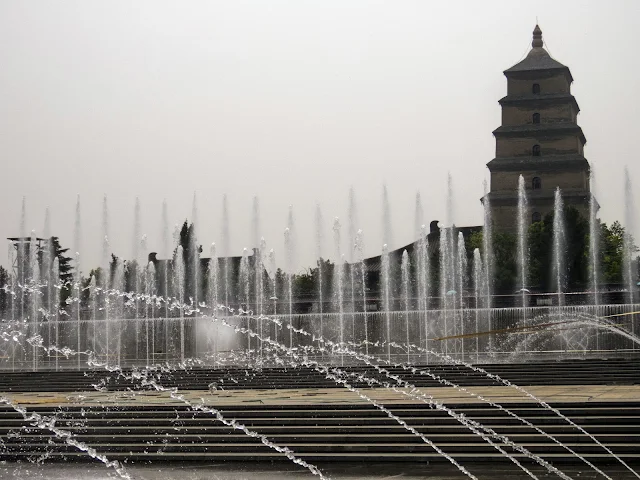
537 37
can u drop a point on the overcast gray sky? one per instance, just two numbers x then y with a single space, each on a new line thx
293 101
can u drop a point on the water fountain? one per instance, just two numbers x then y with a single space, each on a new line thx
559 246
630 225
139 314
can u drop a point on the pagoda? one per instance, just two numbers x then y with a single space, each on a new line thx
539 139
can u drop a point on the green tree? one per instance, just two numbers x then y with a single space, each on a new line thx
612 252
65 268
504 258
4 294
505 264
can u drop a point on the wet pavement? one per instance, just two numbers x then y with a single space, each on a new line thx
286 472
311 396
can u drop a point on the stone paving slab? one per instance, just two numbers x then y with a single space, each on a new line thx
332 396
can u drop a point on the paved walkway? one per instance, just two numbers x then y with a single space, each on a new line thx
332 396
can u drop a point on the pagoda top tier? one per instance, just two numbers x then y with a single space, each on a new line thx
537 58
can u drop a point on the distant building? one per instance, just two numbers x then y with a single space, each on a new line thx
539 139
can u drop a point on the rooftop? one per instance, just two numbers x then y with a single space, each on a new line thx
537 58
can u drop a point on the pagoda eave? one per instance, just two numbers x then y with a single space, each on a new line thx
551 163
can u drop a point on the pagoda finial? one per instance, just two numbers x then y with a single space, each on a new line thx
537 37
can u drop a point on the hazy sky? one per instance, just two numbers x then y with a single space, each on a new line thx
293 101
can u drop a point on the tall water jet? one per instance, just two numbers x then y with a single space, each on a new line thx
243 288
46 275
255 223
359 247
225 250
274 287
353 221
594 242
105 275
134 267
523 249
487 244
166 251
55 277
319 227
47 258
34 284
288 247
291 253
213 284
13 258
93 311
141 268
194 256
406 293
447 283
260 286
338 278
259 246
118 288
629 244
105 243
213 279
424 276
135 244
487 250
77 292
23 261
559 246
461 286
260 256
478 288
450 212
386 295
77 229
150 331
293 246
418 219
387 228
179 273
353 229
77 273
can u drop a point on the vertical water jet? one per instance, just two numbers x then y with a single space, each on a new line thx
319 227
406 293
559 246
629 246
523 249
386 296
359 246
225 250
594 243
338 279
461 286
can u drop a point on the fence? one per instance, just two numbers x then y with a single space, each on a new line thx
474 335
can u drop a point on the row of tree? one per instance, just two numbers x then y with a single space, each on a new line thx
305 285
577 257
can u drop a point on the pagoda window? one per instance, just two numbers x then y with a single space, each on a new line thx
535 88
536 183
536 118
535 151
536 217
